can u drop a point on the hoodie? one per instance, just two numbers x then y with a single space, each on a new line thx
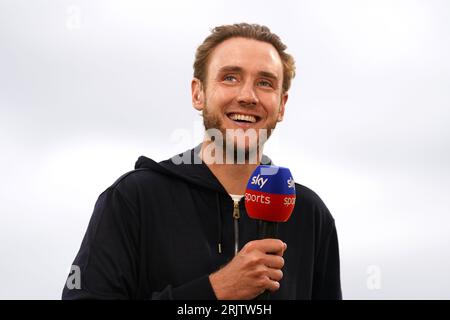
160 230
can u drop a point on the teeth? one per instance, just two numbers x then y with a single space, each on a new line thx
242 117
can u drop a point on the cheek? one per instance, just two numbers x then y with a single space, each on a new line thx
271 102
269 96
222 96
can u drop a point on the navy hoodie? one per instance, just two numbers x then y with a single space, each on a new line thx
161 229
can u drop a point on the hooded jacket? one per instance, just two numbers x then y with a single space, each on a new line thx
160 230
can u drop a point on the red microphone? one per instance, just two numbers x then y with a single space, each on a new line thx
270 198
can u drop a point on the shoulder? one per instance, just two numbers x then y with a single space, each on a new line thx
137 184
309 201
138 178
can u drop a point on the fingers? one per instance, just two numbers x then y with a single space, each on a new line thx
270 278
262 260
281 252
273 246
274 262
275 274
273 285
273 279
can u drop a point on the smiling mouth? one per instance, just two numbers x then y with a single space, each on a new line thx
242 118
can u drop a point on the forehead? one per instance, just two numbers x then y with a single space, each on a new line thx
251 55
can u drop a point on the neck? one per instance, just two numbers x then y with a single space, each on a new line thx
233 177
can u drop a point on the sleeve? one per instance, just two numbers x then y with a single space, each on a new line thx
198 289
108 259
327 283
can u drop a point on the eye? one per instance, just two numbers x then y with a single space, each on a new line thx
265 83
229 78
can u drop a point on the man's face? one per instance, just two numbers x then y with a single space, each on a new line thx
243 88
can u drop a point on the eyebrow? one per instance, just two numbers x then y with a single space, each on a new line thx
265 74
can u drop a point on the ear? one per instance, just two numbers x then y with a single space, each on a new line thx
198 97
284 99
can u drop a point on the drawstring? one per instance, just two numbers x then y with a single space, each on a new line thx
219 220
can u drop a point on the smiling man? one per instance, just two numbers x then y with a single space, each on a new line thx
178 229
241 94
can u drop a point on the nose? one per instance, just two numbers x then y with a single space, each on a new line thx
247 95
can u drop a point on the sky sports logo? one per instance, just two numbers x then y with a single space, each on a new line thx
260 181
265 199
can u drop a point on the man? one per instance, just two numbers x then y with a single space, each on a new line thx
178 229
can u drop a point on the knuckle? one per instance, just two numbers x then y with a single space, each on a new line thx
255 260
250 246
247 247
261 272
274 285
279 275
262 283
277 285
276 275
277 262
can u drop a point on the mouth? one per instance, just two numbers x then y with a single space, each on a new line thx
243 120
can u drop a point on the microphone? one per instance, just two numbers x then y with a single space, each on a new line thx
269 198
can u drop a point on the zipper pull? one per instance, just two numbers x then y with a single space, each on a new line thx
236 216
236 213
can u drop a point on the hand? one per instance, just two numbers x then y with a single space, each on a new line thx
256 268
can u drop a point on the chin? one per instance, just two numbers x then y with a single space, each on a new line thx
242 153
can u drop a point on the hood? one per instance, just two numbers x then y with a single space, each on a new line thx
189 167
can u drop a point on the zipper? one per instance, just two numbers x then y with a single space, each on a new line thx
236 216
